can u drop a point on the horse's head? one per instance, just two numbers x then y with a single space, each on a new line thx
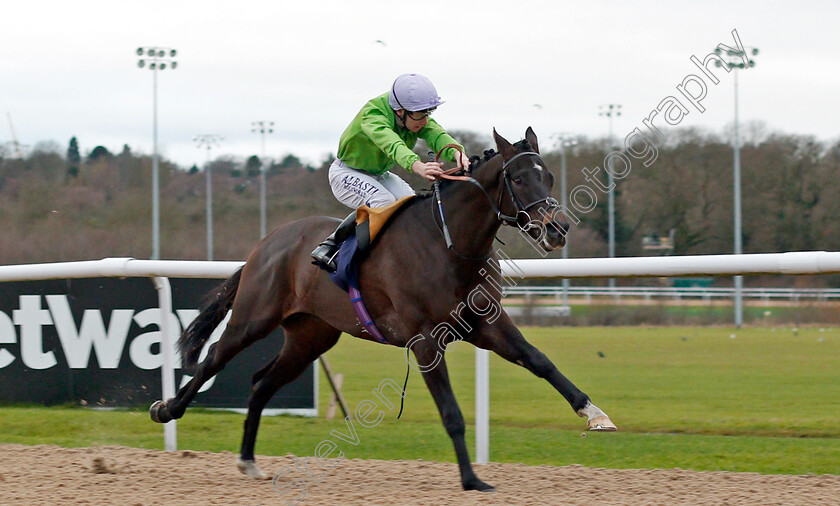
525 199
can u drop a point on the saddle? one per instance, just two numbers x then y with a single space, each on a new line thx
370 222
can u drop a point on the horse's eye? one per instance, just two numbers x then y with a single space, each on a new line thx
517 180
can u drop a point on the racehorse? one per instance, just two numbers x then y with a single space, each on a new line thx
413 284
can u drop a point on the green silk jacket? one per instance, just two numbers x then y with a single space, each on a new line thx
374 142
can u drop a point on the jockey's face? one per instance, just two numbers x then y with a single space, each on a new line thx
415 125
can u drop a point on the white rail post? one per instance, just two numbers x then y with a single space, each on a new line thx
482 406
167 369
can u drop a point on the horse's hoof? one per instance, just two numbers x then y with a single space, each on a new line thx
159 413
249 468
476 484
602 424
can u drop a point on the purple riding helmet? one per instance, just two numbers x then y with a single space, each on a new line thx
413 92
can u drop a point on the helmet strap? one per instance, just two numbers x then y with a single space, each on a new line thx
400 120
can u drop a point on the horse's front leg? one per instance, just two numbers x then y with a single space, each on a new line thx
433 367
504 338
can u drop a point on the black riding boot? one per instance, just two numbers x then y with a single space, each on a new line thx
325 253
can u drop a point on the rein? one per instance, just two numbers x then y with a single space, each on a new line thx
505 219
448 175
517 203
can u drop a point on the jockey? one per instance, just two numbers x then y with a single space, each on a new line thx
381 135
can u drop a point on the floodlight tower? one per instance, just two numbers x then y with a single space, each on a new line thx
564 142
262 127
208 141
611 110
737 60
156 58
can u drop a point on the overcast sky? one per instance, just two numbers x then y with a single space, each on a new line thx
70 68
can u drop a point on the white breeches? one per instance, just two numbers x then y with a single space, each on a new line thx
354 188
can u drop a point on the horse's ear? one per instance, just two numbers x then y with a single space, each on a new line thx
531 137
505 148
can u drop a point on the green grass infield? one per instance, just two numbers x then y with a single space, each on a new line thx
758 400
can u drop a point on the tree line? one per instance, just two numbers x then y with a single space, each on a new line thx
58 205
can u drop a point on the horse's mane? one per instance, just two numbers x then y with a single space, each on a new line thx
476 162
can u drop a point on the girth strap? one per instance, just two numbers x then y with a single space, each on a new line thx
363 315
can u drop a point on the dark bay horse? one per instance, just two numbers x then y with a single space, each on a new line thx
412 284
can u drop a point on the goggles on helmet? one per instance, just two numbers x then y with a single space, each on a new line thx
420 115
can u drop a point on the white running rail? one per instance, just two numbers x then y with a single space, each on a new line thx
810 262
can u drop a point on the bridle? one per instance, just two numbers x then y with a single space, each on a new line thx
505 219
517 203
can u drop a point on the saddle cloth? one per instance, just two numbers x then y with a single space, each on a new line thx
370 221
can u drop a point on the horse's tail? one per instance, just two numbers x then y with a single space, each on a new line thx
213 311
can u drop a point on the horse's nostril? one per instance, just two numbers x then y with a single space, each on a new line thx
560 227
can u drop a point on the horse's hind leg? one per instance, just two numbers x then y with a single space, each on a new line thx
505 339
234 339
306 339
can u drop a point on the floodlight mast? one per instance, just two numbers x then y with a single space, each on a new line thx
208 141
262 127
157 58
610 111
736 59
564 141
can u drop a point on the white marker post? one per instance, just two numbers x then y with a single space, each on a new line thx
482 406
167 368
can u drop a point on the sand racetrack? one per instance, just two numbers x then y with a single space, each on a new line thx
130 476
